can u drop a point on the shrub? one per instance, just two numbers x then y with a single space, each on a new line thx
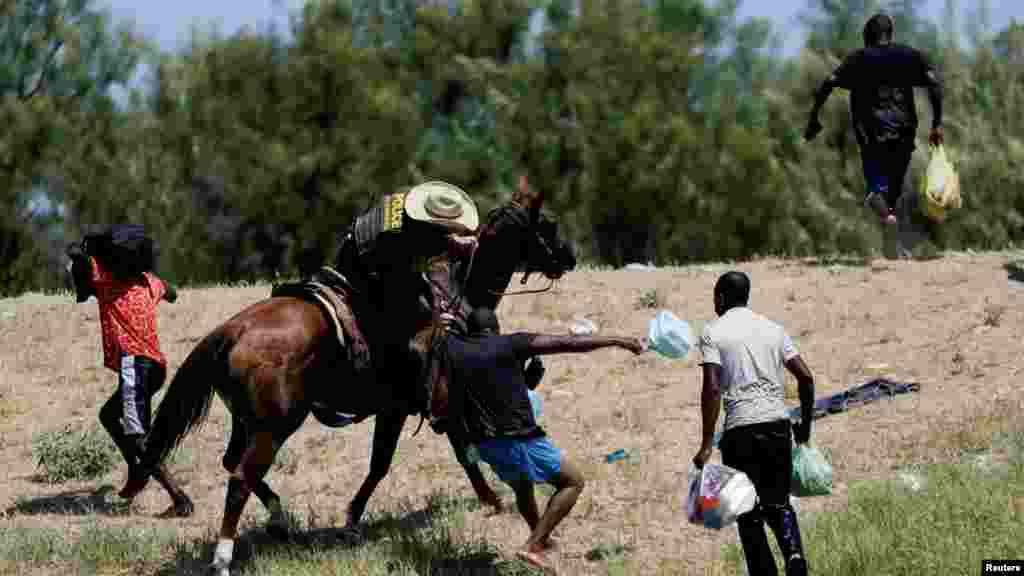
648 299
67 454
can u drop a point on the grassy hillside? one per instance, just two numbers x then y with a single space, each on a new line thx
953 324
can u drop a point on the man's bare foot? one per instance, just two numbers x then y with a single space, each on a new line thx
535 559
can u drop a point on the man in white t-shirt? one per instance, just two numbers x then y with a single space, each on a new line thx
745 361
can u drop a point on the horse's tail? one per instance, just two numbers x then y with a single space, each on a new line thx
187 402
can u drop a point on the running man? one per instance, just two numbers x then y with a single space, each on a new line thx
881 78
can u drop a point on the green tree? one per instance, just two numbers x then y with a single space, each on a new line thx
281 143
58 61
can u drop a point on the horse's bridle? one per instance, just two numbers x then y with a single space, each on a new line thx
529 271
526 276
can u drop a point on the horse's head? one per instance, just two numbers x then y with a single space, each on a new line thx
518 236
541 249
546 252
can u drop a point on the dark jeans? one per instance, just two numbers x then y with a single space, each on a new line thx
885 168
764 453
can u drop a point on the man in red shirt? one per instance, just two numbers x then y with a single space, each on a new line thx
131 348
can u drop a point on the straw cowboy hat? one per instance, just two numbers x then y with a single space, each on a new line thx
443 204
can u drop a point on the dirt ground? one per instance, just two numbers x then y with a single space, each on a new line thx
953 324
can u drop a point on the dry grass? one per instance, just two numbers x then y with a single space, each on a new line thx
975 433
952 324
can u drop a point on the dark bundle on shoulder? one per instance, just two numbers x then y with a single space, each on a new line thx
124 249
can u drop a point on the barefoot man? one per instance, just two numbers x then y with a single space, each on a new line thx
489 406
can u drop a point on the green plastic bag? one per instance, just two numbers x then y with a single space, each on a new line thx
940 188
812 474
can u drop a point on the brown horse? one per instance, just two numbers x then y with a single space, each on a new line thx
271 361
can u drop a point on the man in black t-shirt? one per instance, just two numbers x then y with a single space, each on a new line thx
489 407
881 78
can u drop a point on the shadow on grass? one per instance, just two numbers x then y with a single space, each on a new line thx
419 538
74 503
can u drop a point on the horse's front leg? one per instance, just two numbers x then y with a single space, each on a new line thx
386 430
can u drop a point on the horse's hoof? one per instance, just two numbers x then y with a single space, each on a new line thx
217 569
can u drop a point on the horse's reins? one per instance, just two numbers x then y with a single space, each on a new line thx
550 285
438 329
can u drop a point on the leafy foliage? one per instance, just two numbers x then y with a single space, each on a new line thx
58 60
665 131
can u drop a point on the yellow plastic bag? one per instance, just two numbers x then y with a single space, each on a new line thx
940 189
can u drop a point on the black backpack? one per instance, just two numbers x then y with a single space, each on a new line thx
124 249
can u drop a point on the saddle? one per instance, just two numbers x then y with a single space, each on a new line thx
332 293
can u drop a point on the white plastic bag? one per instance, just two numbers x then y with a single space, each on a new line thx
669 336
582 327
718 495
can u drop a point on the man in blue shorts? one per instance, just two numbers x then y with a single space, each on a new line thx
489 407
881 78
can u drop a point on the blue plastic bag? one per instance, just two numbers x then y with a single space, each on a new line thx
536 404
669 336
812 474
